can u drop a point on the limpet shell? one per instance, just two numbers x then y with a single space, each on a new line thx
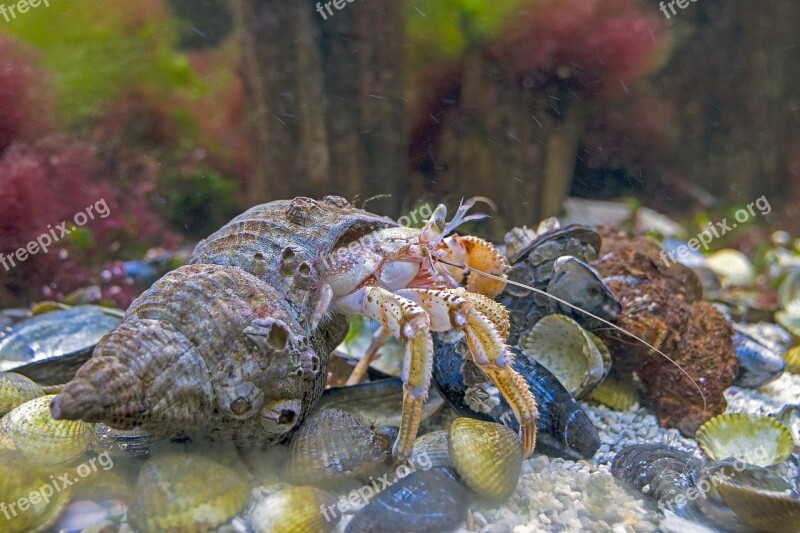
754 439
21 479
295 510
576 357
487 456
15 390
40 438
333 446
184 492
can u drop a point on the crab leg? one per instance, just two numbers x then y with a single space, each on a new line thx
485 334
406 320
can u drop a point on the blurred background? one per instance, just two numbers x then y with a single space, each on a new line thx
182 113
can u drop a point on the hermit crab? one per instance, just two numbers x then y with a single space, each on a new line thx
235 344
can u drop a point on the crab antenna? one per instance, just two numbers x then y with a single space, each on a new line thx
585 312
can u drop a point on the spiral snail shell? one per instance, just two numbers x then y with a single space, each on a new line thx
228 345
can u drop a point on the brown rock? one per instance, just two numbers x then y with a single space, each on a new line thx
663 305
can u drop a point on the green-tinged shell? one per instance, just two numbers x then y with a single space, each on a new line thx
764 502
21 479
51 346
333 446
487 456
295 510
732 266
576 357
16 390
615 393
432 449
183 492
792 358
42 439
754 439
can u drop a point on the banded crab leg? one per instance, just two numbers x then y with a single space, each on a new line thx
485 324
406 320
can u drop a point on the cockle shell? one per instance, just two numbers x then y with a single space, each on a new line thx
577 358
425 501
433 448
334 446
20 479
183 492
732 266
487 456
15 390
295 510
40 438
754 439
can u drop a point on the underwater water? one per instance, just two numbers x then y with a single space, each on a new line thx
378 265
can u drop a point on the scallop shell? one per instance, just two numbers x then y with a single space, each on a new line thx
42 439
183 492
755 439
15 390
763 510
295 510
19 479
333 446
577 358
487 456
792 359
423 501
616 393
